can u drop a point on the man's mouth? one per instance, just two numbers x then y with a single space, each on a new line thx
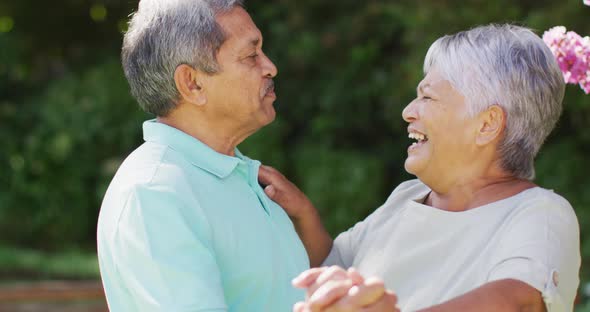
269 89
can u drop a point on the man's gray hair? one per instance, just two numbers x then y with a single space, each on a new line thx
164 34
512 67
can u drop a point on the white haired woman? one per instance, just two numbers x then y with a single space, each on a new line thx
473 232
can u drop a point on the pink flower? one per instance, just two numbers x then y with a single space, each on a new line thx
572 53
587 2
585 84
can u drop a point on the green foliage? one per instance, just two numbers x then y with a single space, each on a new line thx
63 148
350 185
19 263
346 70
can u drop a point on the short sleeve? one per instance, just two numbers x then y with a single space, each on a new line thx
342 253
164 255
541 248
347 245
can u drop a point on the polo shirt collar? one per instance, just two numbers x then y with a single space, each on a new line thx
197 152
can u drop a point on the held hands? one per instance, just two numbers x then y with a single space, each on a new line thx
284 193
332 289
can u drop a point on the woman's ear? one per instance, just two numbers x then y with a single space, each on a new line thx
493 122
190 85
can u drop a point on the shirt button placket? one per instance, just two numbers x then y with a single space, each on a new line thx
253 166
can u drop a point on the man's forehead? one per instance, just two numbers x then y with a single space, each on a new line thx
238 26
243 43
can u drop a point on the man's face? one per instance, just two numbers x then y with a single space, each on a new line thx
242 92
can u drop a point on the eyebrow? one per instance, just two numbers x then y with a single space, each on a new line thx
255 41
421 87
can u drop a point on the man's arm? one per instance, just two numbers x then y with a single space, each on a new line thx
303 214
163 254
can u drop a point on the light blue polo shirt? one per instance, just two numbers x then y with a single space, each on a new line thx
184 228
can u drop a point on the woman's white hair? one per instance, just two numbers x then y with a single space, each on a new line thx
163 34
509 66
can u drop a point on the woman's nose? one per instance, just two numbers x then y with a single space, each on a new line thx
409 113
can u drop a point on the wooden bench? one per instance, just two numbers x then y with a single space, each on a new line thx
53 296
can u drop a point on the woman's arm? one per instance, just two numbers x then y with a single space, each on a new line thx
502 295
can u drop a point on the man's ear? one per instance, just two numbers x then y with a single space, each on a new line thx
189 83
492 124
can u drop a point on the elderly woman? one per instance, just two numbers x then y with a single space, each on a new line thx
473 232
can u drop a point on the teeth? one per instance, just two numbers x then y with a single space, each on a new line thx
416 136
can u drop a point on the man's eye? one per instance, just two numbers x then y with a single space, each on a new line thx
253 55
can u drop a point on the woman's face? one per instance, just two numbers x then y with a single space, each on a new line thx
439 120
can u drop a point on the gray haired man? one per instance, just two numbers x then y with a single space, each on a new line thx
184 225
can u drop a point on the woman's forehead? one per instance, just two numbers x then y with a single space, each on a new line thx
433 80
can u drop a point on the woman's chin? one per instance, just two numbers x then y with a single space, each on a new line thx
409 166
414 165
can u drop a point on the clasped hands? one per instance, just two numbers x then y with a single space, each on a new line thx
332 289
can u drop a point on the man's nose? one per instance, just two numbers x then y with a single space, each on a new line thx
270 70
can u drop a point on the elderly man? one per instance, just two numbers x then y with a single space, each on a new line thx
184 225
473 232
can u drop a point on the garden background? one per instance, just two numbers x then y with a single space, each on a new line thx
346 70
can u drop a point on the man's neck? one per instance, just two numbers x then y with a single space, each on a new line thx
219 136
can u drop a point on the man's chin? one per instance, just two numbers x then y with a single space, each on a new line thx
271 116
267 116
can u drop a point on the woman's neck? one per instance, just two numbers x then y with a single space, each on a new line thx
473 194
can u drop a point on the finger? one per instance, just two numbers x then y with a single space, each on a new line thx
368 293
270 191
272 170
391 294
341 306
387 302
265 176
355 276
329 293
299 307
332 273
307 277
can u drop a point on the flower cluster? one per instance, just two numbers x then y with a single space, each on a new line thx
587 2
572 53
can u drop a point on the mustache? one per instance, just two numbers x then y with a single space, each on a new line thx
269 85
